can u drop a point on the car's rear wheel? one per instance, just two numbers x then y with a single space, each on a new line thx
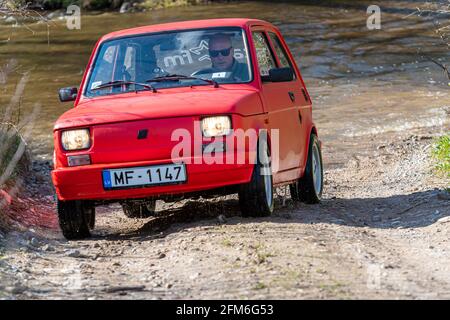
76 218
309 188
256 197
139 209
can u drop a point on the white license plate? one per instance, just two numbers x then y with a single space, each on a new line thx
144 176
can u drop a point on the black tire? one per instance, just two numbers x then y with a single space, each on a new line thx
305 188
76 218
139 209
254 199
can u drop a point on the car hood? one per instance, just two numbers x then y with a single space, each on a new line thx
163 104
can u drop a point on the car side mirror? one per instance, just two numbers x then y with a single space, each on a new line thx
281 75
68 94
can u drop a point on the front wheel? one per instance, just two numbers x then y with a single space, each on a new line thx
309 188
256 197
76 218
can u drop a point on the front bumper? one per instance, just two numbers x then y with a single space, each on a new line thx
85 182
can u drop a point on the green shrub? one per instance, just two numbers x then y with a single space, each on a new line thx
441 153
160 4
57 4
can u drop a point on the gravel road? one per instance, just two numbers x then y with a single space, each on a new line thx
382 231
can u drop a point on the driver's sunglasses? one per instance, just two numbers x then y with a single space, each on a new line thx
223 52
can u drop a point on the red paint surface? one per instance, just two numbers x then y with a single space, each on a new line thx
114 121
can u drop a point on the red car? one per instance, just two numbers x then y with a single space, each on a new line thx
186 109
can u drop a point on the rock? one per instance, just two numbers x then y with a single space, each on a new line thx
115 4
53 15
161 255
35 242
11 20
222 219
169 285
443 195
194 276
16 289
73 253
48 248
125 7
444 220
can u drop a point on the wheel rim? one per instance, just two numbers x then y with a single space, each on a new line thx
317 170
267 179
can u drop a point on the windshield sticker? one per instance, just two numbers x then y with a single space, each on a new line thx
178 59
216 75
201 50
95 84
196 54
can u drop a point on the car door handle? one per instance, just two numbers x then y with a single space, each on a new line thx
292 96
305 95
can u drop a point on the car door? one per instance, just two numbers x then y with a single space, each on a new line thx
281 101
302 101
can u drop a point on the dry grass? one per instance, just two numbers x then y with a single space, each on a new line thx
14 130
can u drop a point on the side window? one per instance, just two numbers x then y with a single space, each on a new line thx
263 53
281 53
104 67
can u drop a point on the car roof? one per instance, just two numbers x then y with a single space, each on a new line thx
183 25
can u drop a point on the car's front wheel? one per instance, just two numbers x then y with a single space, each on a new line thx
139 209
76 218
256 197
309 187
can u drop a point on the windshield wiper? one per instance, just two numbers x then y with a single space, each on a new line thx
177 77
123 82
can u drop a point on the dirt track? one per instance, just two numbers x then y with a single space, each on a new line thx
382 231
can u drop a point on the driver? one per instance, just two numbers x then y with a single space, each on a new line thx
222 59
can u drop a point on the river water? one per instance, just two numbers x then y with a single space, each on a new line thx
364 83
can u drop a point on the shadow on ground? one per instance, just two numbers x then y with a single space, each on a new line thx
415 210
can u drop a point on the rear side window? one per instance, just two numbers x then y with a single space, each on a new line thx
265 58
281 53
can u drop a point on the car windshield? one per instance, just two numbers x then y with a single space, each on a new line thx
171 59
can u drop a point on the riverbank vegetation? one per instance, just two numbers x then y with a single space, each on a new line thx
14 157
14 5
441 153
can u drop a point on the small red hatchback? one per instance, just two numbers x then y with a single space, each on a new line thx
186 109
